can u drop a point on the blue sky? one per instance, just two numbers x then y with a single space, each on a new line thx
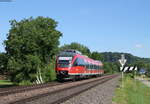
101 25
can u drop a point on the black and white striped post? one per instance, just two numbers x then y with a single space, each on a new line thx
122 62
124 69
130 68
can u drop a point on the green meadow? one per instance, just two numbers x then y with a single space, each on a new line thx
133 92
5 82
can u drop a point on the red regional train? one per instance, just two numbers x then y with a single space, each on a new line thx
71 64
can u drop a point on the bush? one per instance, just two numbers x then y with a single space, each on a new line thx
24 82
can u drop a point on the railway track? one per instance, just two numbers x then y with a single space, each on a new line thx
58 93
19 89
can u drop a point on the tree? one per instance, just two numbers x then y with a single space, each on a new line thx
3 63
111 67
31 46
114 56
97 56
85 50
115 67
140 64
107 67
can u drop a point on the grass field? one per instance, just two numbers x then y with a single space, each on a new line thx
5 82
133 92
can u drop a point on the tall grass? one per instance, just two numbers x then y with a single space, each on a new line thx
133 92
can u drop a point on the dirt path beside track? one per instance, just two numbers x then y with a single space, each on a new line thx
144 81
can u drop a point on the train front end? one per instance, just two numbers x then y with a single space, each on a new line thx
64 64
62 67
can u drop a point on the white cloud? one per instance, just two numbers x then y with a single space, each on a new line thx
139 46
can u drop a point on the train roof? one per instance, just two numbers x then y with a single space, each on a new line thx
69 52
72 52
89 60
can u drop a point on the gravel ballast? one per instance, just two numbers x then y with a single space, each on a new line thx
101 94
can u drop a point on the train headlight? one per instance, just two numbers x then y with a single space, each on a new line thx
64 72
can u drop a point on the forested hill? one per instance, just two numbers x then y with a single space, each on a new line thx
114 56
104 56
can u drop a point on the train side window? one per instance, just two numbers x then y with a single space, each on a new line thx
76 62
99 67
96 67
82 63
91 66
87 65
79 62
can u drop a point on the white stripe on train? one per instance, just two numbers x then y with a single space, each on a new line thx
84 73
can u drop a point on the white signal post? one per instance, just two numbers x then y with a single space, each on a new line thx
122 62
135 72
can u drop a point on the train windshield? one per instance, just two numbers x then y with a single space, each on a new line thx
64 61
